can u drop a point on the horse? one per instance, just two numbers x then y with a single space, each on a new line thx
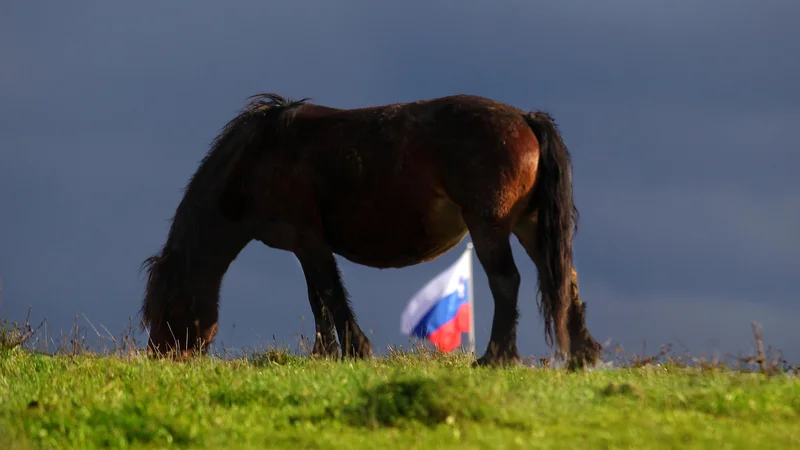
386 187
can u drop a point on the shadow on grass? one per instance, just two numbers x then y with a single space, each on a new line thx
416 400
132 424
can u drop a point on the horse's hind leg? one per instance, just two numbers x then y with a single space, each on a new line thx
493 249
323 277
583 348
325 341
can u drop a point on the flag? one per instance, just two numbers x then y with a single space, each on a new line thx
442 309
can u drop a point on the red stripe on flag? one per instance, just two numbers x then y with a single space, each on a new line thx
448 336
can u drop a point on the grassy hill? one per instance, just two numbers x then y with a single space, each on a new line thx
403 401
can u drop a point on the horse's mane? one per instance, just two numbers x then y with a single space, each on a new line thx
265 114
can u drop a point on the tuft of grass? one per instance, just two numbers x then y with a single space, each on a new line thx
279 357
419 399
15 334
625 389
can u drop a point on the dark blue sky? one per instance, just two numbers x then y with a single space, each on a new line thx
681 117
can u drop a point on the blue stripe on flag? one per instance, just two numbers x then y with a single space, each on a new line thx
442 312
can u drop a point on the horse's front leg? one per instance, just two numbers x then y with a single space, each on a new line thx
325 344
324 279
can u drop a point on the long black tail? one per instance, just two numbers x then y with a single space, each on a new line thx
557 221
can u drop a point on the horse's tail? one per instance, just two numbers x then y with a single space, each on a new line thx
557 220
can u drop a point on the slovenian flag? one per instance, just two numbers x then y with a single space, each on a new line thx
442 309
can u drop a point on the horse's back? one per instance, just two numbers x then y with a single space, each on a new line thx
392 181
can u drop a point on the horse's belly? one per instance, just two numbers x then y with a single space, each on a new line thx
393 235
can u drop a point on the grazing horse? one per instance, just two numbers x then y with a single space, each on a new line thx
386 187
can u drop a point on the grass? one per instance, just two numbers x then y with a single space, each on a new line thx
404 401
78 398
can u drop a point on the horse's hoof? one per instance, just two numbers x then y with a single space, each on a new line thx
585 355
321 350
582 361
363 351
483 361
496 361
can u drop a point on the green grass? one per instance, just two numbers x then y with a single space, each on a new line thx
400 402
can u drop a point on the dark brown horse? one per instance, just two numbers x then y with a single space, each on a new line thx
386 186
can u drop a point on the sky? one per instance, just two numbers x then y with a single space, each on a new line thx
680 117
